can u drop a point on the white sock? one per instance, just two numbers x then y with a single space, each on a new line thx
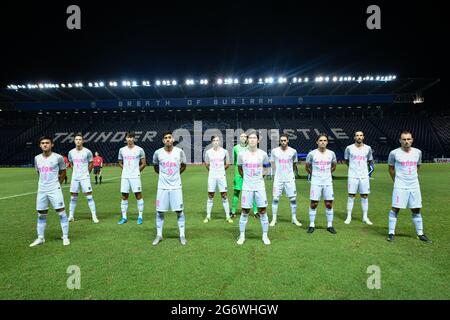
209 205
124 208
329 213
72 205
140 205
418 222
312 217
264 223
350 202
159 223
64 224
226 207
181 223
294 209
41 223
91 205
365 207
274 209
392 221
243 223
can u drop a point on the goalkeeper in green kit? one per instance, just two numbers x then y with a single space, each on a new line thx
238 180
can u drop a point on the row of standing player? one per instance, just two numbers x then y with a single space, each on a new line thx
170 162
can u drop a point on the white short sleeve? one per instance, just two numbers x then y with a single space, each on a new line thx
182 156
61 163
309 158
391 158
156 158
347 153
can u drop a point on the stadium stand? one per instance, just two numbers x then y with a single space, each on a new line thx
19 141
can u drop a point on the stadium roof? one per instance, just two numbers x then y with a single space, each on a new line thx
400 89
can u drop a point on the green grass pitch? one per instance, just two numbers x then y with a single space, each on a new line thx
119 262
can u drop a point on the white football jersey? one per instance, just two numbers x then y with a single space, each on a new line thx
284 163
216 160
252 165
321 166
405 164
358 158
169 167
131 159
48 169
80 160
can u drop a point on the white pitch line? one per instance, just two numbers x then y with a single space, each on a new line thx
28 193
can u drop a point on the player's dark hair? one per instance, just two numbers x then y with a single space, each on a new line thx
167 133
255 133
79 134
213 137
130 134
45 138
321 135
359 131
284 135
405 132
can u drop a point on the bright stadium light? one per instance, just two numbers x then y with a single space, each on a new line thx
327 79
90 84
134 84
306 79
335 79
219 81
394 77
294 80
260 81
236 81
101 84
174 82
268 80
158 83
